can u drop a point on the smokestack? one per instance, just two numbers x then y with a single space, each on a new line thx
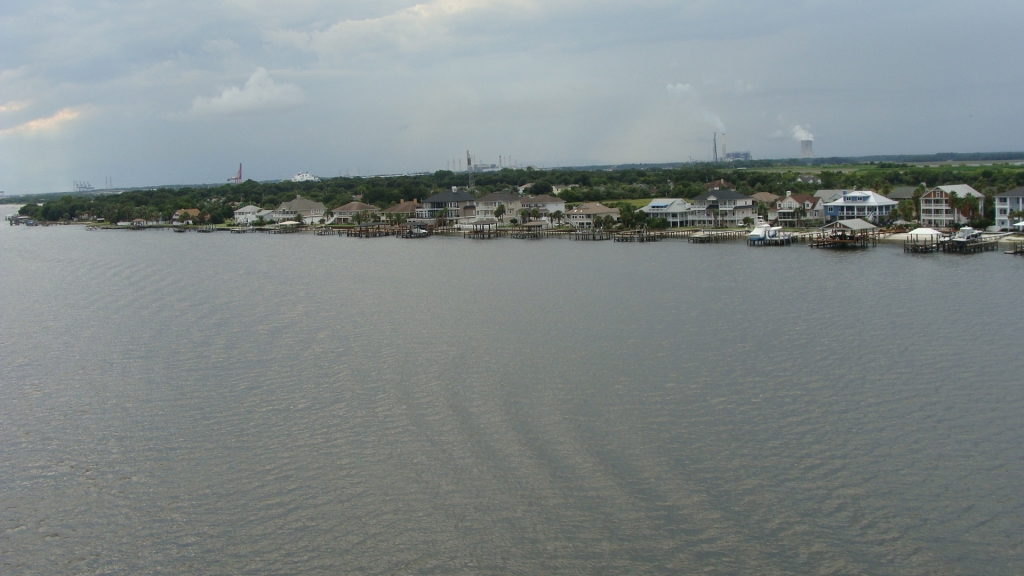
807 148
714 147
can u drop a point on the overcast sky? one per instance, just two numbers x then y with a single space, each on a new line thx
164 92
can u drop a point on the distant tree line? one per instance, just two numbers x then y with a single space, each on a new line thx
217 204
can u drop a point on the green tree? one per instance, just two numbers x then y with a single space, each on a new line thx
499 212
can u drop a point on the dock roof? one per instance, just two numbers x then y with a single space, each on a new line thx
851 224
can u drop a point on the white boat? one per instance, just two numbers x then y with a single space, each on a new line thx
967 233
766 232
760 232
304 177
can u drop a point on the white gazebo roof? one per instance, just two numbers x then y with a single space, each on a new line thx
924 232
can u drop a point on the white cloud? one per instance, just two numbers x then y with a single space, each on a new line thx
13 106
428 25
49 123
260 94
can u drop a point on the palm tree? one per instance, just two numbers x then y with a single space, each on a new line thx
557 216
800 214
499 212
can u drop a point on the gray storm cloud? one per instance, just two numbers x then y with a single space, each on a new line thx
259 94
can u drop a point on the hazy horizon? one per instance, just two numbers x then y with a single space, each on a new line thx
183 92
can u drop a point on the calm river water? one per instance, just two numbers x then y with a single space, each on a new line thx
224 404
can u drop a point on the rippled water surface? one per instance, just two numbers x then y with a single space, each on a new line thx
224 404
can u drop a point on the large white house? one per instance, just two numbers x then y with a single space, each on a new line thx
788 209
247 214
583 215
858 204
301 209
1008 203
721 207
936 207
454 203
675 210
486 205
546 203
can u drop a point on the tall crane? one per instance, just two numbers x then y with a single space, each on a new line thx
237 177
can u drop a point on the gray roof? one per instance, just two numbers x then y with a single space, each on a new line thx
301 204
450 196
500 197
1015 193
722 194
828 195
902 192
851 224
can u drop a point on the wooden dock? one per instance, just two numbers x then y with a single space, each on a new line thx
921 244
969 246
376 230
591 234
1017 250
715 236
636 236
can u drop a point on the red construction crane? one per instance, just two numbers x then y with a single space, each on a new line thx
238 177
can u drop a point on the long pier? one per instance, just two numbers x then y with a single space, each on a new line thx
715 236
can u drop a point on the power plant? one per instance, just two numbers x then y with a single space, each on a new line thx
807 148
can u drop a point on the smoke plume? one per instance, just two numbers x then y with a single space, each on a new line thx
801 133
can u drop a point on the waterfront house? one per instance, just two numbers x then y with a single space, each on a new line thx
864 204
486 205
301 210
247 214
788 209
185 215
454 203
675 210
721 207
545 203
583 215
407 209
344 214
936 207
1007 203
